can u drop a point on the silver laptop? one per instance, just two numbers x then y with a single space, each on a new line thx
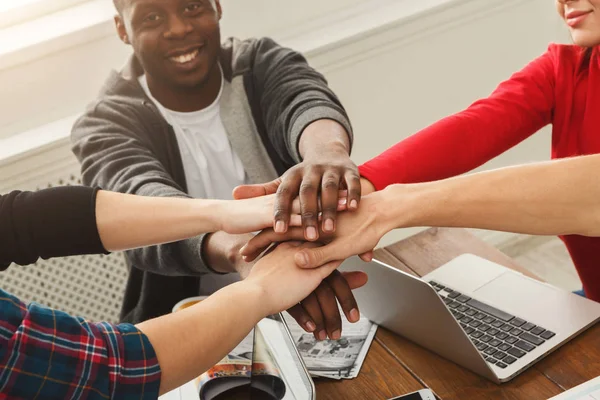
490 319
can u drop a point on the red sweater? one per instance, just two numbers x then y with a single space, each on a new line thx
558 88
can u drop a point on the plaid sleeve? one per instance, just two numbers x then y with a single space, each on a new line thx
50 354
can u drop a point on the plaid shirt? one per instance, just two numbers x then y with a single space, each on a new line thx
49 354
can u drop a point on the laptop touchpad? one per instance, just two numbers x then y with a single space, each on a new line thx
523 297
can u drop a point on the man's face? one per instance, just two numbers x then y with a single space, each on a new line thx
176 41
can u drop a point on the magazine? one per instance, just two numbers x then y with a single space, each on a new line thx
589 390
249 371
335 359
263 367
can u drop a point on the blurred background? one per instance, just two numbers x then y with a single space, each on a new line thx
397 65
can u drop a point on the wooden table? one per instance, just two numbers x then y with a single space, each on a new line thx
396 366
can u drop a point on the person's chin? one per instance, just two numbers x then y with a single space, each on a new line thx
585 39
190 79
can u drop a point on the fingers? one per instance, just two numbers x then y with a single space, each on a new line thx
250 191
302 318
356 279
352 180
342 200
309 194
260 242
291 244
313 309
367 257
286 192
329 200
341 205
315 257
329 309
295 220
344 295
341 284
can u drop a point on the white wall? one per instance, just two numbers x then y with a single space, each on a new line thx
244 18
394 77
393 93
440 72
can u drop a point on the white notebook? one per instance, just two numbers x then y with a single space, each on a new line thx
589 390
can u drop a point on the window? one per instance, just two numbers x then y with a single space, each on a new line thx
13 12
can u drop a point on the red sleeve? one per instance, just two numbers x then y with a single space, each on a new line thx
518 108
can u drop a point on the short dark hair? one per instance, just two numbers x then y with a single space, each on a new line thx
120 3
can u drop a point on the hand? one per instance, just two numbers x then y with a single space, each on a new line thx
284 284
221 251
357 233
319 312
244 216
319 177
255 214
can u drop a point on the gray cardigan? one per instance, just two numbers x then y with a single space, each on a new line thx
123 143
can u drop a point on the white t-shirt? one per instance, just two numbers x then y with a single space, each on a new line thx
212 169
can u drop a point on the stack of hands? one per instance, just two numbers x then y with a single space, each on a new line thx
322 219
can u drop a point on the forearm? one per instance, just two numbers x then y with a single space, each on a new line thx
518 108
322 137
551 198
186 346
127 221
222 252
366 186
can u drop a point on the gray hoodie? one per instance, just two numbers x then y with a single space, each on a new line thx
123 143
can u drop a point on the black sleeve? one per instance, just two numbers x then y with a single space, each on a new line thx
49 223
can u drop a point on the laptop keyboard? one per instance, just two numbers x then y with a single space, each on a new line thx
501 338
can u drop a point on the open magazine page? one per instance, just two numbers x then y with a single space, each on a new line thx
247 372
336 359
589 390
267 382
233 372
264 365
292 373
249 364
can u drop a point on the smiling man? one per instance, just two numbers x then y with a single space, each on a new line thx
192 116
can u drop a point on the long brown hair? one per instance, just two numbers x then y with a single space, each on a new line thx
586 58
587 55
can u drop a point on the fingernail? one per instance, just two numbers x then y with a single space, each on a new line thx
336 334
310 326
342 201
354 315
242 249
311 233
301 260
328 226
322 335
280 227
354 204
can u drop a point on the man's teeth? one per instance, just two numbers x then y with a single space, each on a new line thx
185 58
